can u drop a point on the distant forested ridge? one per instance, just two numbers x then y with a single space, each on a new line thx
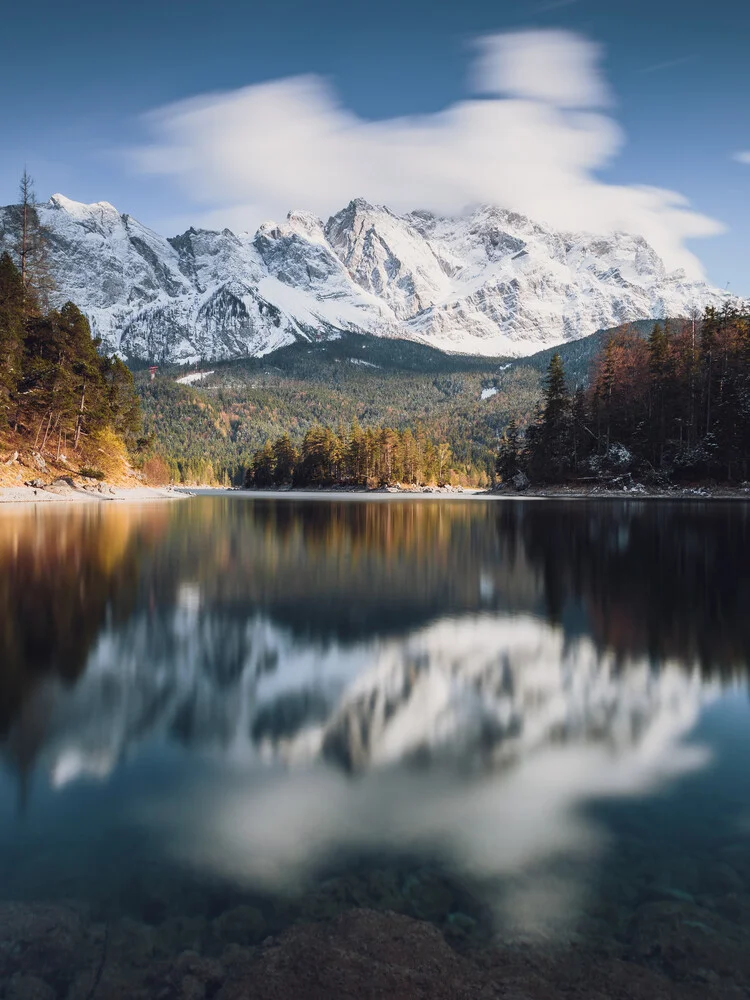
212 429
675 405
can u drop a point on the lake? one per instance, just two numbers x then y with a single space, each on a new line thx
522 721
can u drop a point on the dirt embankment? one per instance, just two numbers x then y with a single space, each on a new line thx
99 471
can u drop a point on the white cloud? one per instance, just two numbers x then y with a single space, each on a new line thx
243 155
668 64
553 66
743 157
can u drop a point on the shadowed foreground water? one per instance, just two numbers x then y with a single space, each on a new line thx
523 722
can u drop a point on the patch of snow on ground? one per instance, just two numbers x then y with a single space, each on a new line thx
486 393
359 361
193 377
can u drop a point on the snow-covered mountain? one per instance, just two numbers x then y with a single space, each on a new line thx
491 282
485 690
482 739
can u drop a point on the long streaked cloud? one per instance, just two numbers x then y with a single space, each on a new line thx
668 64
554 66
535 144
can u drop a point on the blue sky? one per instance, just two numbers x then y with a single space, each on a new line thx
90 72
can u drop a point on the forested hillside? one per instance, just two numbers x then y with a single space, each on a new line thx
214 427
211 429
59 397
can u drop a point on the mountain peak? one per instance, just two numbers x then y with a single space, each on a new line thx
360 205
79 209
489 282
306 224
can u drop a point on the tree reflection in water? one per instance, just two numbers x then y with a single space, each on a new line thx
261 689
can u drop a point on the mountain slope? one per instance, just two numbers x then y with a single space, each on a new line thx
223 413
491 282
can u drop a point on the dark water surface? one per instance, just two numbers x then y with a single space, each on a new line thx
525 720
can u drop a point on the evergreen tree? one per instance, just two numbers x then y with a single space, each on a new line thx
659 382
550 444
83 372
509 455
11 332
30 247
582 437
409 457
315 459
263 467
124 411
54 384
388 455
284 460
356 457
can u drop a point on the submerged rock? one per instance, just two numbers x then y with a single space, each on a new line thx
685 939
244 925
680 952
45 943
362 955
430 896
29 988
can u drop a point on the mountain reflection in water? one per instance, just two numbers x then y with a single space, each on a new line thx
458 681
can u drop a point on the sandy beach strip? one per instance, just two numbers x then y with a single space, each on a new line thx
55 493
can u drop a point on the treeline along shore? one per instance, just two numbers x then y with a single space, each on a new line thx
665 410
672 408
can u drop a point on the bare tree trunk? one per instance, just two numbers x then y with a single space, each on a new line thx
41 424
24 230
79 421
49 422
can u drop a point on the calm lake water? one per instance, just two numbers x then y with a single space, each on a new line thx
516 719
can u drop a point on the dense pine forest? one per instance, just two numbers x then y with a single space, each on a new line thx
673 406
358 457
214 427
56 389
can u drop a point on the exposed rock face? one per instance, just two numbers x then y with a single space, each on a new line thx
492 282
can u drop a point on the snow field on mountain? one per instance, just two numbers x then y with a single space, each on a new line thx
490 282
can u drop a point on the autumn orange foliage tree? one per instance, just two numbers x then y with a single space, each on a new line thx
676 404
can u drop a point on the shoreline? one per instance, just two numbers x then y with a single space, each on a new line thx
700 494
62 492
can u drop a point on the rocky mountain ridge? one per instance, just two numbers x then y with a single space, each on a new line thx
492 282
